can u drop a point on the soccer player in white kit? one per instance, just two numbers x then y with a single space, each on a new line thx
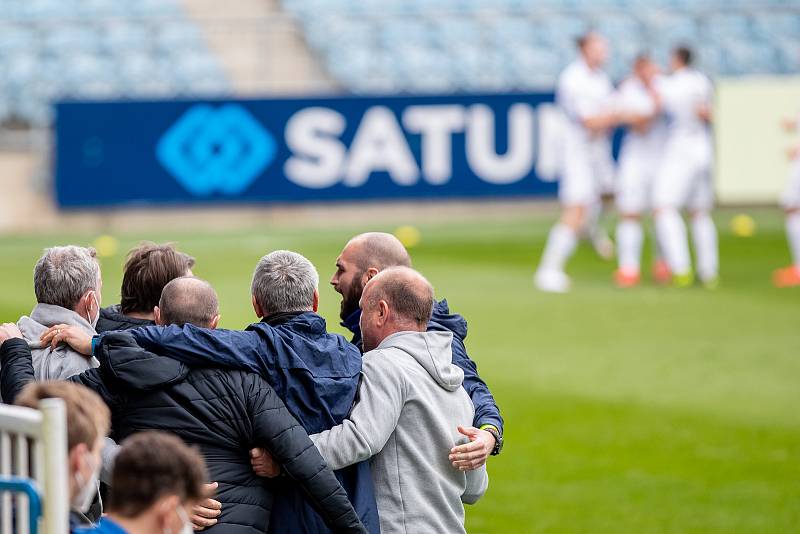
684 180
790 200
640 158
584 93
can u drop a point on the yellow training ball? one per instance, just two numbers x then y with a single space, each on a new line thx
743 226
106 246
409 236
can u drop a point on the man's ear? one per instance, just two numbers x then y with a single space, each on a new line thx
165 510
383 312
82 308
257 308
315 307
214 322
157 316
75 457
369 273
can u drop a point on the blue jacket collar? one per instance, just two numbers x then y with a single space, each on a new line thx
308 321
352 323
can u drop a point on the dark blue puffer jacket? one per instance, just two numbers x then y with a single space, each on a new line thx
486 410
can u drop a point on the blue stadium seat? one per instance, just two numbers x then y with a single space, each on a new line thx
94 49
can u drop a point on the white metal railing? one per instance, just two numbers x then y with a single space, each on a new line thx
33 450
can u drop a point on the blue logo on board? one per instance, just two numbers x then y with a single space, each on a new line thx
216 150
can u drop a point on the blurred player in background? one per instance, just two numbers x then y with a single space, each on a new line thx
584 93
684 178
640 158
790 200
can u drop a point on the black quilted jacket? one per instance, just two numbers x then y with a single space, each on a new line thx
223 413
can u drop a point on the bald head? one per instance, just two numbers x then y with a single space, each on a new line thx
363 257
379 250
188 300
396 299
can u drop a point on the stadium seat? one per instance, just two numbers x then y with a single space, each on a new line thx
513 44
91 49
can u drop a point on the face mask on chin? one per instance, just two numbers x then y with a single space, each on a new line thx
87 489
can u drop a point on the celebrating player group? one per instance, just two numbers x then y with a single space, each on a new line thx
664 167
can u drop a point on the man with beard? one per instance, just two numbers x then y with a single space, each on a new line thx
366 255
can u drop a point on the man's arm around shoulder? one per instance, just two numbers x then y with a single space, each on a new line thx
231 349
374 417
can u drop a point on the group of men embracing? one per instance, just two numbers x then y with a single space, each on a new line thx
301 430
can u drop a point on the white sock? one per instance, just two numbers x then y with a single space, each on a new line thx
706 247
671 232
629 244
593 227
793 235
560 245
657 249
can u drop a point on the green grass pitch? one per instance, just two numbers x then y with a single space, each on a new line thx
644 410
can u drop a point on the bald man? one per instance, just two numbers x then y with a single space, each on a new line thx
409 409
363 258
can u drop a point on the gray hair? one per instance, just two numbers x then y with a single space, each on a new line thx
407 292
64 274
284 281
188 300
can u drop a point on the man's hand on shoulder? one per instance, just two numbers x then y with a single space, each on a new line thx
73 336
9 331
472 455
263 464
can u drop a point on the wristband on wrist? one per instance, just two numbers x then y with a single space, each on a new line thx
498 438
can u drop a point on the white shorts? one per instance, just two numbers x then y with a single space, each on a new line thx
634 182
587 173
790 199
684 179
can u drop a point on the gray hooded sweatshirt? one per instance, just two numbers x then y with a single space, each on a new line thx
63 362
409 404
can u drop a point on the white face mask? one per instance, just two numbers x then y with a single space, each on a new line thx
187 525
93 322
87 489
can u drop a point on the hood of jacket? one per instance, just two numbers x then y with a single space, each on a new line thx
134 367
112 318
433 351
444 321
43 317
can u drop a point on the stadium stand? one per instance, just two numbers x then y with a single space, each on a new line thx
94 49
443 45
97 49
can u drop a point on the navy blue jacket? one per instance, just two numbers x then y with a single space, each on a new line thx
316 374
486 410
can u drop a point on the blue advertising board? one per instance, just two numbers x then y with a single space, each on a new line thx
290 150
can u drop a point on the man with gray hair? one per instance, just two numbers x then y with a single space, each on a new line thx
67 284
410 405
315 373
